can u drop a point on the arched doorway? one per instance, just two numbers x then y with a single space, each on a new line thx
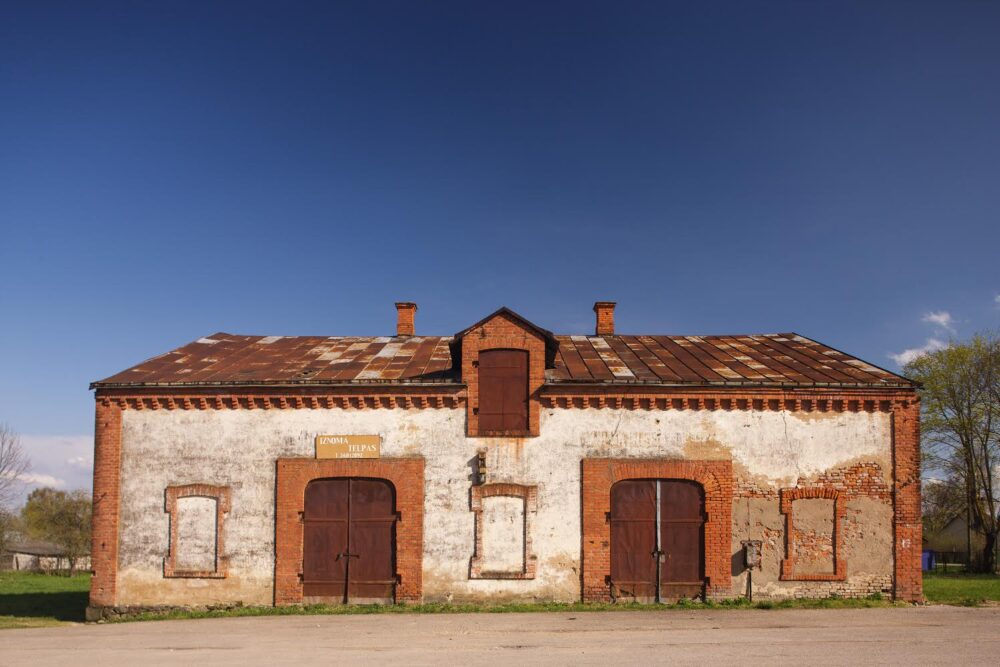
349 541
657 539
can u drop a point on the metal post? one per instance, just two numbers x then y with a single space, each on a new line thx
659 552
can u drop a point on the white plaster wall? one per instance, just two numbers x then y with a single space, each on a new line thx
196 519
238 448
503 534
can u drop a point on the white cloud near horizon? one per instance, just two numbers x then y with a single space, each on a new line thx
41 480
64 462
908 355
942 319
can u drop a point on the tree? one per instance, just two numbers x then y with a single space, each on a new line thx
960 420
13 464
62 518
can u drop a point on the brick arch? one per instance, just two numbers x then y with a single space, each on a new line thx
599 475
294 474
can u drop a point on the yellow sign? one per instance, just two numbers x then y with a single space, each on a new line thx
348 446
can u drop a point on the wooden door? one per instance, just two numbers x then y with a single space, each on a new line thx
682 539
657 555
348 549
503 392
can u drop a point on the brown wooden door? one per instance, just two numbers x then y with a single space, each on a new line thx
348 548
682 539
657 555
503 391
633 539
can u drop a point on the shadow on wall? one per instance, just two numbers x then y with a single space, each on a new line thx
738 563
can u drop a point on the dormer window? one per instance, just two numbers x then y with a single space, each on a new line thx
503 392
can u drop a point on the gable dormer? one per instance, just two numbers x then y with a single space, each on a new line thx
503 358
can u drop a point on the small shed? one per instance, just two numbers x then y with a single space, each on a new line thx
38 556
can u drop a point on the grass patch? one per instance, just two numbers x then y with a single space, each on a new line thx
961 589
29 599
510 608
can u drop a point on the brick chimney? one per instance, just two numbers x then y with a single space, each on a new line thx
405 312
605 318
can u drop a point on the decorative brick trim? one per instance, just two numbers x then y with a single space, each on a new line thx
908 577
221 494
293 474
107 496
788 498
502 333
599 475
529 496
299 400
742 398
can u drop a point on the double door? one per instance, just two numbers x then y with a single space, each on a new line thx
349 537
657 539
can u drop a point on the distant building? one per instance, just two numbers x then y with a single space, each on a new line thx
503 463
38 556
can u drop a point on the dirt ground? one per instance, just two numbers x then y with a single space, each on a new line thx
924 635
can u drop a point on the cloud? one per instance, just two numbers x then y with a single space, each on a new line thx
996 299
906 356
84 462
41 480
60 461
942 319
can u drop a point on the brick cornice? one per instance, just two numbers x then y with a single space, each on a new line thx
160 399
758 400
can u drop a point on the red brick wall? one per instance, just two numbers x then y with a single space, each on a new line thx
599 475
406 475
107 485
502 332
906 491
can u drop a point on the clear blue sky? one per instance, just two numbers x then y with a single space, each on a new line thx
168 170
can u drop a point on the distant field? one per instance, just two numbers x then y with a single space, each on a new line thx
29 600
967 589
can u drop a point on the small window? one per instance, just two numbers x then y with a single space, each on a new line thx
503 392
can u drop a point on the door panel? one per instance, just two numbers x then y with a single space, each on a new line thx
324 537
373 520
681 533
633 538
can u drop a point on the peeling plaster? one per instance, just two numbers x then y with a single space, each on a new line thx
239 448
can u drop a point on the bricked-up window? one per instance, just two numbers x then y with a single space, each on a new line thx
197 513
813 538
503 392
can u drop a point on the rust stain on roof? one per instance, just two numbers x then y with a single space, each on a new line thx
742 360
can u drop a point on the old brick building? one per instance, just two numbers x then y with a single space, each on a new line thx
502 463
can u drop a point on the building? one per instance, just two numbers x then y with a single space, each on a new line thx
502 463
38 556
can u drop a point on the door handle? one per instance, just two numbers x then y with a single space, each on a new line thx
347 555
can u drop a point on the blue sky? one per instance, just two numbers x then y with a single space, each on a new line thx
168 170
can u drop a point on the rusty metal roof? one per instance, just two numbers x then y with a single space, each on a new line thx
758 360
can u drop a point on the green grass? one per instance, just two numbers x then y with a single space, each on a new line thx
508 608
961 589
35 600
